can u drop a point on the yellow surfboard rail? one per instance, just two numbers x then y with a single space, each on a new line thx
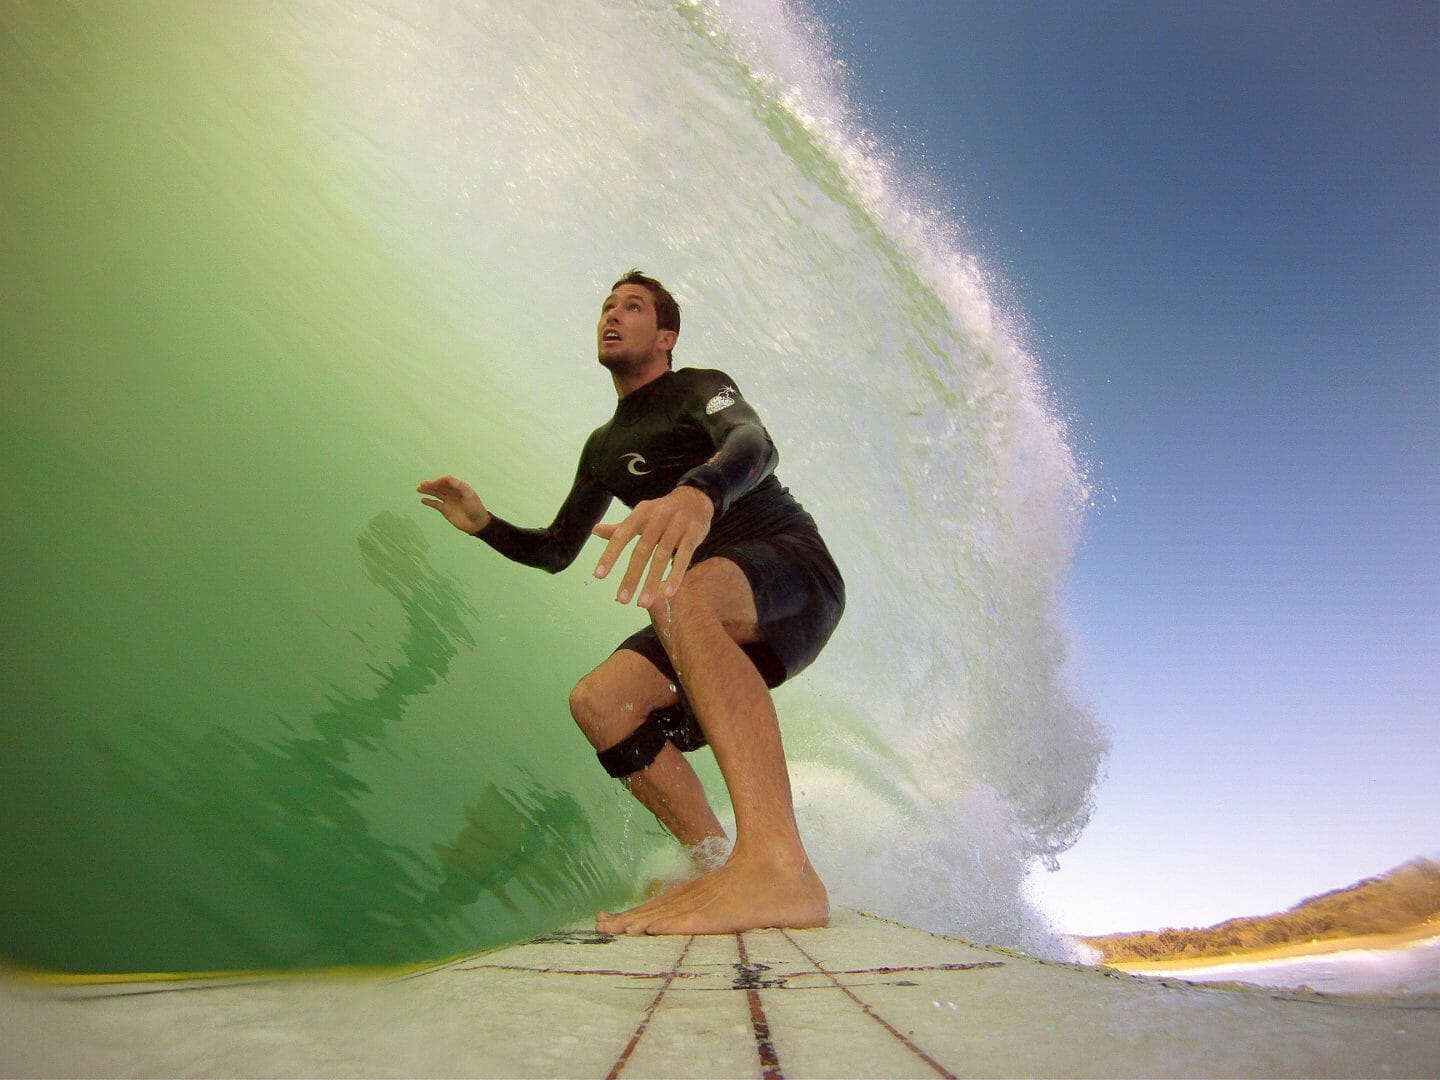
99 980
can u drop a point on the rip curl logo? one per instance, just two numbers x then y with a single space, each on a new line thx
723 400
633 463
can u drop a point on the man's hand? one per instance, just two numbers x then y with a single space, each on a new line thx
457 501
666 532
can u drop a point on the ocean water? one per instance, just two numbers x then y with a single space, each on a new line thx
265 266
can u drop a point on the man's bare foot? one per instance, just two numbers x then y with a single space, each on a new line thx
744 894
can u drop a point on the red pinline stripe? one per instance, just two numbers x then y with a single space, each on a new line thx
670 977
769 1059
868 1011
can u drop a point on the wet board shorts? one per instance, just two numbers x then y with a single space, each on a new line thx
799 598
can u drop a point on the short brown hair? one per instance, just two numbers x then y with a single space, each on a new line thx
667 311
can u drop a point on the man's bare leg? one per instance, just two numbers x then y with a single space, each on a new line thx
609 704
768 880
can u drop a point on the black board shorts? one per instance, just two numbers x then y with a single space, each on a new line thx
799 598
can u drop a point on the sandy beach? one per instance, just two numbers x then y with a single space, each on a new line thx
1325 947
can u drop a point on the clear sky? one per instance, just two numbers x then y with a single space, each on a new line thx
1221 223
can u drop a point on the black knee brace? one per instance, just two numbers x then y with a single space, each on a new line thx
637 750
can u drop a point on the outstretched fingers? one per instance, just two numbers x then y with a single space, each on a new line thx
437 487
666 533
457 501
670 555
619 537
647 551
680 563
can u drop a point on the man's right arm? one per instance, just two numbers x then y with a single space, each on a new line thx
555 548
551 549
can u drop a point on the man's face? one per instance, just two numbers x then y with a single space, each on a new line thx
628 334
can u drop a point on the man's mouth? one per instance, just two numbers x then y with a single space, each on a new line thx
610 335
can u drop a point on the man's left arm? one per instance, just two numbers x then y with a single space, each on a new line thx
744 453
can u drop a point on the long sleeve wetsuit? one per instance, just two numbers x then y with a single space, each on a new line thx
687 427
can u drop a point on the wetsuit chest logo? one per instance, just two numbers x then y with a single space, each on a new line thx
633 463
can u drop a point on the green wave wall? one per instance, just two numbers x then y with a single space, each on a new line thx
263 267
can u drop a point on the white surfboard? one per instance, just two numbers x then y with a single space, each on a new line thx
863 997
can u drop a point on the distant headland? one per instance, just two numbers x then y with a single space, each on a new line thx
1397 907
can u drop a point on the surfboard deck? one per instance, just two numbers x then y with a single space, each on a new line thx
863 997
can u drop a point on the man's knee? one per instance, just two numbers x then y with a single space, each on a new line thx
585 701
597 709
612 700
589 695
628 722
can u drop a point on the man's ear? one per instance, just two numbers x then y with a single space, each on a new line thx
667 339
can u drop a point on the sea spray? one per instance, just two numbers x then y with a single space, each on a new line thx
277 264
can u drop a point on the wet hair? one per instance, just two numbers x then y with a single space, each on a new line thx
667 311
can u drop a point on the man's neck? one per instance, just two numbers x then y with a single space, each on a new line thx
627 382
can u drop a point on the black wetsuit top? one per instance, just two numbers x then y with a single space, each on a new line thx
687 427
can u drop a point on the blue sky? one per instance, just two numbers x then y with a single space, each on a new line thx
1221 223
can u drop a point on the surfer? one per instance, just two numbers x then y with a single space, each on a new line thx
750 597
